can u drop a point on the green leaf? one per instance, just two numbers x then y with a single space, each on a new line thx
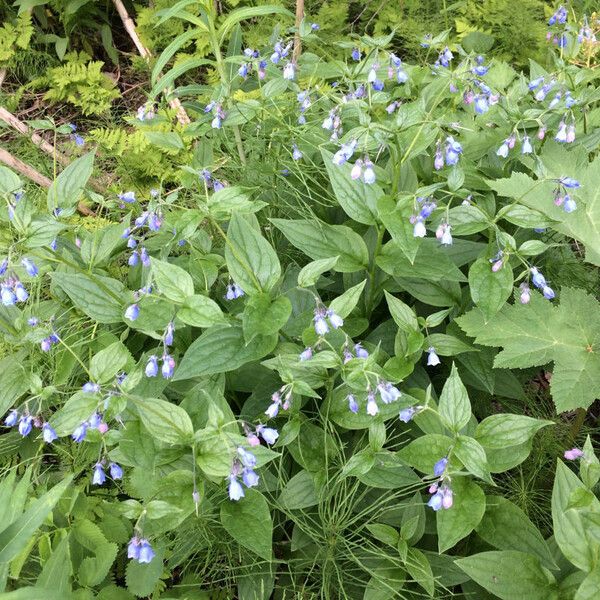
384 533
214 452
14 381
505 430
108 362
454 406
396 218
419 569
167 140
310 273
589 465
320 240
384 583
178 70
164 420
404 316
510 575
248 522
430 263
423 452
447 345
588 590
569 527
93 569
358 199
9 181
98 297
539 332
57 570
506 527
179 42
265 317
66 189
251 260
584 223
142 578
172 281
249 12
200 311
472 455
343 305
99 245
77 409
457 522
299 492
221 349
16 536
490 290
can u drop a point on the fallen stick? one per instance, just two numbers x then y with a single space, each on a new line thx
37 139
175 104
18 165
297 39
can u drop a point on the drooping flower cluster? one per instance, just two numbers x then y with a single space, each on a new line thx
26 422
12 290
425 207
561 195
140 550
539 281
322 316
233 291
218 114
168 362
268 434
387 392
449 155
243 465
441 492
280 399
99 476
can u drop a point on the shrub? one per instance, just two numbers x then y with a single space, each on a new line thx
257 377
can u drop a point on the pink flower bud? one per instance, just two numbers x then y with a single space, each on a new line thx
103 428
497 265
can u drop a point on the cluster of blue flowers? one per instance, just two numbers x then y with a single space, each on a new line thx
539 281
140 550
168 362
75 137
444 58
450 154
218 114
562 197
26 422
146 112
425 207
280 399
233 291
432 358
441 492
99 476
322 315
12 289
509 143
210 181
388 393
132 312
94 422
243 465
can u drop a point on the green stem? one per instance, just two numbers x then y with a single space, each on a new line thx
372 270
225 85
577 424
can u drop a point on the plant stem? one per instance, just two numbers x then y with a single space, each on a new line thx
577 424
373 267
